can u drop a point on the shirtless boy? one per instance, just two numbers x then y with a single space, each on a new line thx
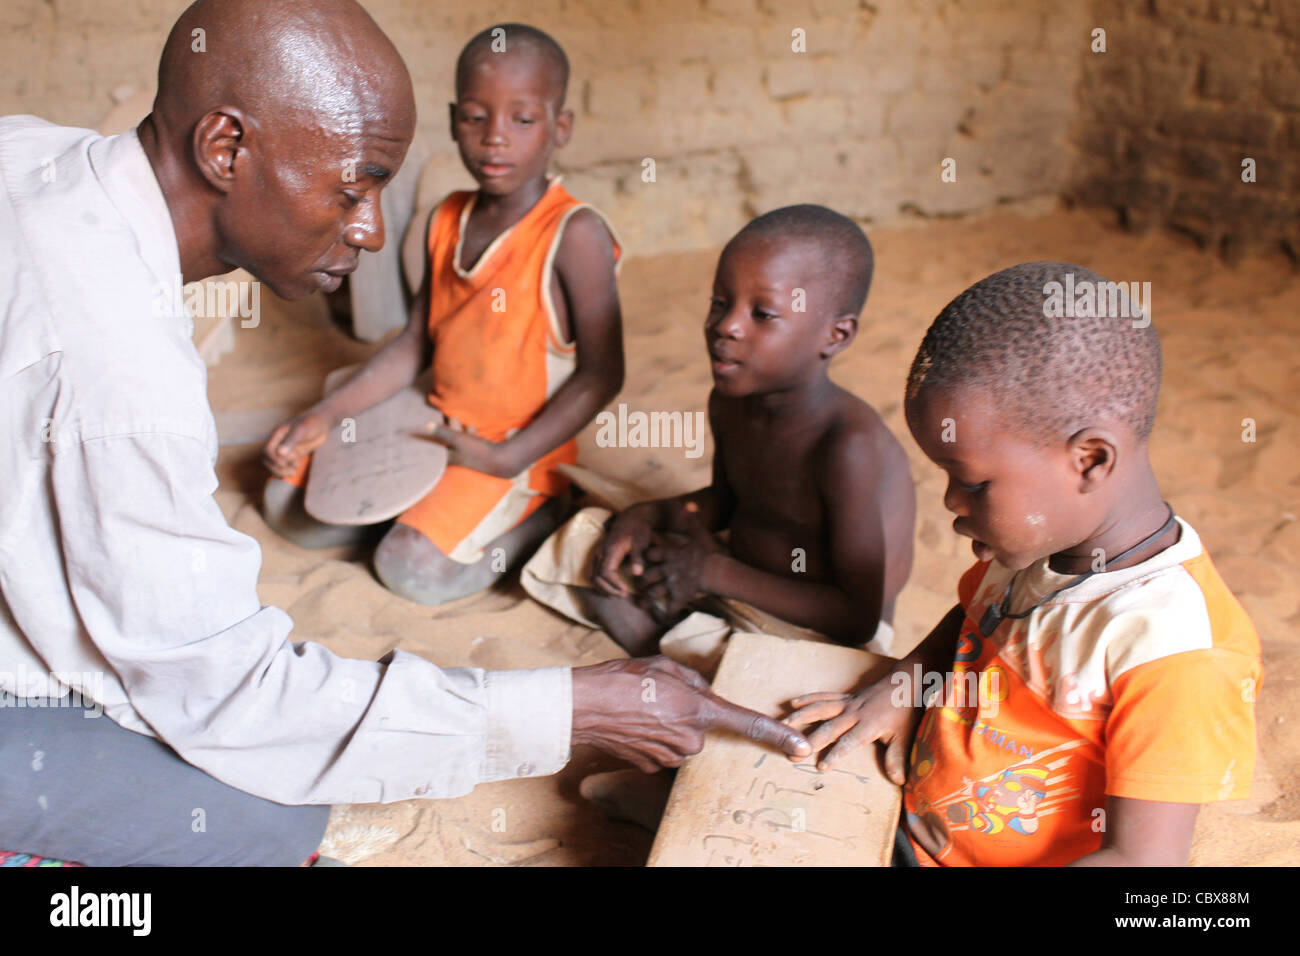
810 515
518 316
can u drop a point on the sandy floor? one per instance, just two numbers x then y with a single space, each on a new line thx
1229 354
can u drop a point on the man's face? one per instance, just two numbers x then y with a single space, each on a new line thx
505 121
758 341
1018 502
307 202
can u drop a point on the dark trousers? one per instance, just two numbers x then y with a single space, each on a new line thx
904 855
75 786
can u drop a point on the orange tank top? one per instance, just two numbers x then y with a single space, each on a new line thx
498 355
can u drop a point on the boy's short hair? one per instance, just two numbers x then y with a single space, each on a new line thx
517 36
848 256
1053 372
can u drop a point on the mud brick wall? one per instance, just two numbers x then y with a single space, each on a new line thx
739 123
735 119
1186 92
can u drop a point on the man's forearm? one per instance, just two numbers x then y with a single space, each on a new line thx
168 597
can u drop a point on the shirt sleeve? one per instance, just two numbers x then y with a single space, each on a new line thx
167 591
1182 728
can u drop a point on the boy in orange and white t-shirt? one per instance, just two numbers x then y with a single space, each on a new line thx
519 318
1097 677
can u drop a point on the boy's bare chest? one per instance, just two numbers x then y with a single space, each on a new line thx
773 476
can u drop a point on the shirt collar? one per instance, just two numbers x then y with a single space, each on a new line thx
1039 579
127 177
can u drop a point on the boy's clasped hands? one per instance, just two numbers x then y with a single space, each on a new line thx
664 571
667 569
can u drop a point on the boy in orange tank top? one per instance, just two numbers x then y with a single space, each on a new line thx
518 316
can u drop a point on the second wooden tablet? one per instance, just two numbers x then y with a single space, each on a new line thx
374 467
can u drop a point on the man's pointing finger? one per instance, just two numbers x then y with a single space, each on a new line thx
758 727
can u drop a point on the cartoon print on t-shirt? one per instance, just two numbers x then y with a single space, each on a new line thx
1011 803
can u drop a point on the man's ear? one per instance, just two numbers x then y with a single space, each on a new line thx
1094 454
451 121
841 335
218 139
563 127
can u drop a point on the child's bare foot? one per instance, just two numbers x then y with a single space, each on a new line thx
630 795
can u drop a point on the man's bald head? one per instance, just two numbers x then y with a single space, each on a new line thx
275 129
309 61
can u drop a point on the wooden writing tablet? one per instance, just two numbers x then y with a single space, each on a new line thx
377 465
739 803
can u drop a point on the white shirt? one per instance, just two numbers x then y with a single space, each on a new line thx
119 573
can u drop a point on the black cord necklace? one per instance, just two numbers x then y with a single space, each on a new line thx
1001 611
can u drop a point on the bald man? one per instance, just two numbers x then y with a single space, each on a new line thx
157 712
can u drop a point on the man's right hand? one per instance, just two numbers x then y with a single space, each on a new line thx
653 712
292 441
